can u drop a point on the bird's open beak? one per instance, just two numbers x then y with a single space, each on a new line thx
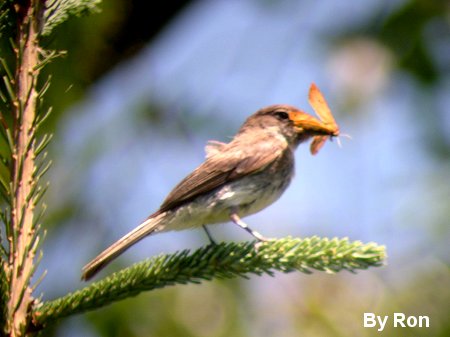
320 130
307 123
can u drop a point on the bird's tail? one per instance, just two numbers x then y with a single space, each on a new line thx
149 226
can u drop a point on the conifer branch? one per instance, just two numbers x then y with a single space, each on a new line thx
21 168
222 261
58 11
23 159
21 233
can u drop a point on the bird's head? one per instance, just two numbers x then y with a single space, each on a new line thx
295 125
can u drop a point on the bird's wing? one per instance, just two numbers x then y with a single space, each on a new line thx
228 164
213 147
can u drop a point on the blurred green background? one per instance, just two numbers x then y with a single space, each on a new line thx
141 91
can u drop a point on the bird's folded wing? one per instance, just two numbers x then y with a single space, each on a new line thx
229 164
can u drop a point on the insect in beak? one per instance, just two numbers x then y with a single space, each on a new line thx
323 111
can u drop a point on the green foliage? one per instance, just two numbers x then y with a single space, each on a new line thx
3 298
4 16
58 11
405 33
223 261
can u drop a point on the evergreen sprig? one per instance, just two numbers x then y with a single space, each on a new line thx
58 11
23 160
222 261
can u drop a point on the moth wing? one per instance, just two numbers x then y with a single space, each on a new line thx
320 105
317 143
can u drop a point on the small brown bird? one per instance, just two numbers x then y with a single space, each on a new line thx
236 179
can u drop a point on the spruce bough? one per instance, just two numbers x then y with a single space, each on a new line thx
221 261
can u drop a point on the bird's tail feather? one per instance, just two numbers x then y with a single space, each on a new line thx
98 263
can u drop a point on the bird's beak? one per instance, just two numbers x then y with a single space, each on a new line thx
309 126
307 123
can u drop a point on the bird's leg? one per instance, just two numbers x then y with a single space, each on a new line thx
208 234
237 220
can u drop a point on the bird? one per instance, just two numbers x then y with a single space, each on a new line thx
236 179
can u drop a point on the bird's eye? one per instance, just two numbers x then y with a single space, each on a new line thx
282 114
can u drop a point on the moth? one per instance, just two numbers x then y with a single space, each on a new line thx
321 108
